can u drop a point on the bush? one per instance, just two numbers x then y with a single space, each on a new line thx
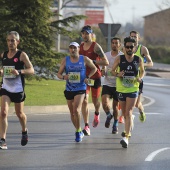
160 54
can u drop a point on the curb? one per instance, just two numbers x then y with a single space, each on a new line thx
57 109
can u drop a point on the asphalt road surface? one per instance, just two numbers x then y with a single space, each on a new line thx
51 143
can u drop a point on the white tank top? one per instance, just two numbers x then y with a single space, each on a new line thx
110 80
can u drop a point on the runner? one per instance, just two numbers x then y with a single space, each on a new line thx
94 51
15 64
76 80
142 52
126 69
109 86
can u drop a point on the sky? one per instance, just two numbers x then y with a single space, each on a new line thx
123 11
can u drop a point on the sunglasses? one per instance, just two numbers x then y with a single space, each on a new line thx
131 47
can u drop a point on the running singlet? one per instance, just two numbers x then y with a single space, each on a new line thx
138 53
12 83
109 79
93 56
77 74
128 83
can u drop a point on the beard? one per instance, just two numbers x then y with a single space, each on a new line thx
129 52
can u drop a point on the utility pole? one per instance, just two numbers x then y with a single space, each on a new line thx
59 13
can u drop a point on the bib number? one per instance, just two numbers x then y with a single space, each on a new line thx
90 82
109 73
128 81
7 71
74 77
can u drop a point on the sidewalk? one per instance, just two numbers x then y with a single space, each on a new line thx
159 70
165 75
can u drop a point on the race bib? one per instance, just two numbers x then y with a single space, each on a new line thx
7 71
128 81
90 82
109 73
74 77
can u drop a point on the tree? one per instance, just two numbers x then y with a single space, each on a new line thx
33 20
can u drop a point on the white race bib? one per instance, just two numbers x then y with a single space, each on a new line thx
74 77
128 81
109 73
7 71
90 82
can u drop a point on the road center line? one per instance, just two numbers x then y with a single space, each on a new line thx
153 154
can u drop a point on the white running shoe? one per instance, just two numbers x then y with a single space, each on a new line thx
124 142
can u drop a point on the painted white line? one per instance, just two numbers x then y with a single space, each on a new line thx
151 156
152 84
43 114
150 102
148 113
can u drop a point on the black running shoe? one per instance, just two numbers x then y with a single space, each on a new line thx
115 130
3 145
24 139
108 119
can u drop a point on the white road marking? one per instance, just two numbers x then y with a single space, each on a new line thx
151 156
150 102
149 113
152 84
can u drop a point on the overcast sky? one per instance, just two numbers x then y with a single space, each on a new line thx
122 11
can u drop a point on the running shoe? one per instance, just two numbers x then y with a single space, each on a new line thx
115 130
86 131
24 138
78 137
121 119
124 142
123 134
96 120
108 119
81 134
142 117
3 145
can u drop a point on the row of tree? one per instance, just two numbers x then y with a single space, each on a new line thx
38 28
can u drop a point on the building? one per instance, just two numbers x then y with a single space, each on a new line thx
93 9
157 28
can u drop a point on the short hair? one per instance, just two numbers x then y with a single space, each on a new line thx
116 38
135 32
129 39
14 33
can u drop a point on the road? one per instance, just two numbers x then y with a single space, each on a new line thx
52 147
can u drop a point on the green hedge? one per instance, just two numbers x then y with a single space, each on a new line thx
160 54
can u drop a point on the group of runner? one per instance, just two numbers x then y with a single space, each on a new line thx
122 71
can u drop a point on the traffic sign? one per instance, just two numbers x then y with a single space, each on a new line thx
109 31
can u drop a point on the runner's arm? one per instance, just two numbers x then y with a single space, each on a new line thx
103 59
145 53
115 66
89 63
28 65
142 71
61 70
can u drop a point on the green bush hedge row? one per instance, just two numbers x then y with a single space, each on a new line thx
160 54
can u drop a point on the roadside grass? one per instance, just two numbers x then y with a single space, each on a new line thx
45 92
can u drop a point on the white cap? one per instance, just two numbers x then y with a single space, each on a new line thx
74 44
